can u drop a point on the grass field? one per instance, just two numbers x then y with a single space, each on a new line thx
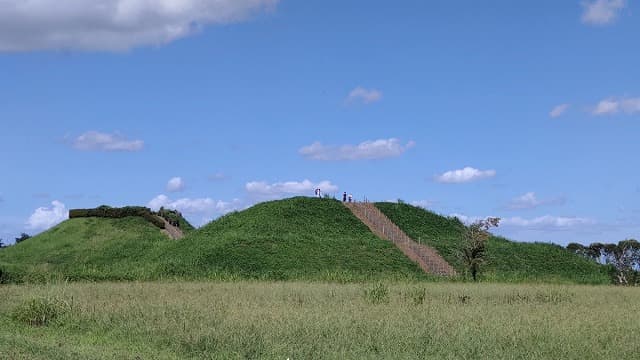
296 320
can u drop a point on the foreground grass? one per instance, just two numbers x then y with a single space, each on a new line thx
318 320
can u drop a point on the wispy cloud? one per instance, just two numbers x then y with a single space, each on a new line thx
175 184
465 175
530 201
364 96
559 110
540 223
612 106
370 149
113 25
97 141
44 218
219 176
601 12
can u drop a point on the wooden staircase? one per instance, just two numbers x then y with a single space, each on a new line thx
426 257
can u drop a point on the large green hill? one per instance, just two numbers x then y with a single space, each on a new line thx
293 239
297 238
507 260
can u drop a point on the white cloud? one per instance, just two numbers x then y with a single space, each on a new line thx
175 184
97 141
198 206
45 217
601 12
370 149
113 25
530 201
279 189
559 110
542 223
467 174
365 96
547 222
613 106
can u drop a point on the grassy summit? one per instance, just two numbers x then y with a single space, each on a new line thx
508 260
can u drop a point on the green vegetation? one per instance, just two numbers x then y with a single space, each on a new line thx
624 258
298 238
105 211
293 239
506 260
266 320
85 249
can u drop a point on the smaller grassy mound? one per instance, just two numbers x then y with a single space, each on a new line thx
297 238
507 260
85 249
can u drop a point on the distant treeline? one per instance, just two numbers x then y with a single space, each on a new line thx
117 213
623 257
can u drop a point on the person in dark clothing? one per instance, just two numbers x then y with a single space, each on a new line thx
344 196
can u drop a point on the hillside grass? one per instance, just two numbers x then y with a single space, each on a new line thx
297 238
298 320
293 239
85 249
508 261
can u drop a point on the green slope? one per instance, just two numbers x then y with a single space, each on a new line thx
85 248
298 238
508 260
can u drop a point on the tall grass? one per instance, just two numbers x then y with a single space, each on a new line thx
275 320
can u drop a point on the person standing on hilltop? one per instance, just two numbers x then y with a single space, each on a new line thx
344 196
350 198
318 193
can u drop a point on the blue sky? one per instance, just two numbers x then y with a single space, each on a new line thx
526 110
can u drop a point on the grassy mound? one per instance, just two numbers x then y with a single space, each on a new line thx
298 238
508 260
84 249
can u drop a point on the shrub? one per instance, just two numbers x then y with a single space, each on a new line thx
416 296
378 294
40 311
116 213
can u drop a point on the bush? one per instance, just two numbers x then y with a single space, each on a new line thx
416 296
378 294
116 213
39 312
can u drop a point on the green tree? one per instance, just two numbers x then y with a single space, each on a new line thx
473 252
625 258
1 243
